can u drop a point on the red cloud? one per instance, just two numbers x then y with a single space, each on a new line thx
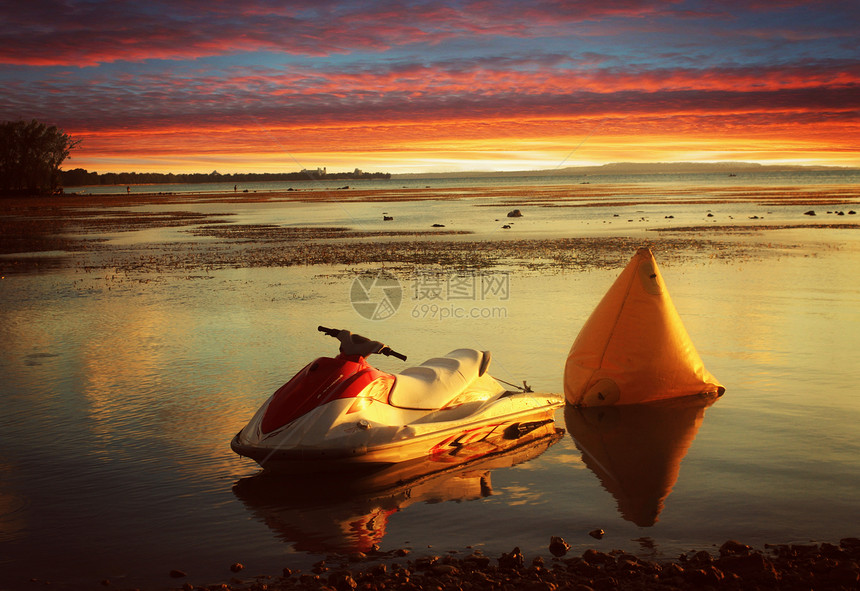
410 92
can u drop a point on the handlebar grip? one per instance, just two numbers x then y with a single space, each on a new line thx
332 332
392 353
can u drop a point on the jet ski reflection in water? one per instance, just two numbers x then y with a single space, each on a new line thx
347 512
341 411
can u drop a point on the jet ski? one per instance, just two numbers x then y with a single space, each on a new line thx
341 411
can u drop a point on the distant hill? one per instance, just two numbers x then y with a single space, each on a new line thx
617 168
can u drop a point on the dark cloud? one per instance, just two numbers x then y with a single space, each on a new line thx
83 33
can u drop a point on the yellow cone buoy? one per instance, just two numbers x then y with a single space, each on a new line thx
634 347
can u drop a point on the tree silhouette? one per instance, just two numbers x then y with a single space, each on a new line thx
31 153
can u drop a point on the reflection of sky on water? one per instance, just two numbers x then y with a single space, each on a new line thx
120 398
12 508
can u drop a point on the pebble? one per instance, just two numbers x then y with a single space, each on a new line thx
512 561
343 581
557 546
733 548
445 569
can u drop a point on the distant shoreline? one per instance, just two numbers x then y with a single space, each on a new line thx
624 168
79 177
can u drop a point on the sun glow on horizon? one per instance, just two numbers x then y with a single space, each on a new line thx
469 156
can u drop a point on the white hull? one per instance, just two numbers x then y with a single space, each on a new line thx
383 435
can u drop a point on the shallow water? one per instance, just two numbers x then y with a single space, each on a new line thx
121 393
720 179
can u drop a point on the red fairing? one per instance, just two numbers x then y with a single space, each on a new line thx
320 382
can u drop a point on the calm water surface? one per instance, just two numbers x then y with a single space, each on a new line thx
120 395
714 179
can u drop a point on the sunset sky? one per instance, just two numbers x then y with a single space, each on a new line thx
441 85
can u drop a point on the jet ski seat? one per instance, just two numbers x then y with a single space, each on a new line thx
439 380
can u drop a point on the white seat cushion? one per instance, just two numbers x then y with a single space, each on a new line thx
437 381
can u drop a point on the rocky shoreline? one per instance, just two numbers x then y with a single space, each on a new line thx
734 566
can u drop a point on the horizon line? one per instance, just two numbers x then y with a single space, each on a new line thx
613 167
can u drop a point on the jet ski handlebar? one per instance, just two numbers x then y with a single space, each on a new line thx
354 344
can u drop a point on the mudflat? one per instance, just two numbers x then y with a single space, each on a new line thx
80 231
